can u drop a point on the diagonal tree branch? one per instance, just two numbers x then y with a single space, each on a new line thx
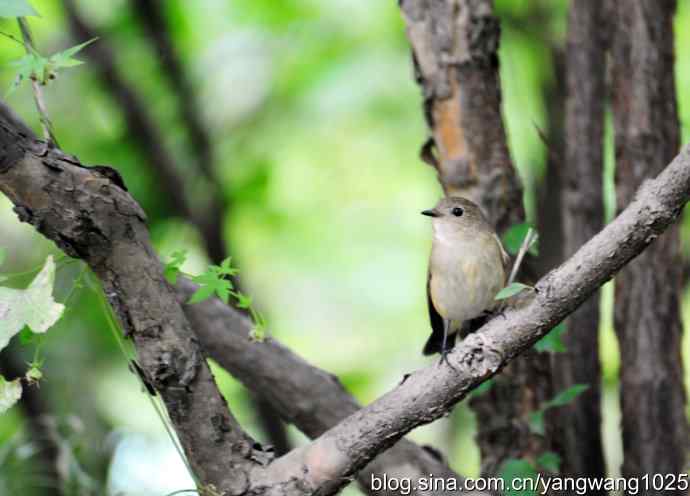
90 217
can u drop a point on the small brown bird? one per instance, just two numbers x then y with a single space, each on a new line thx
467 268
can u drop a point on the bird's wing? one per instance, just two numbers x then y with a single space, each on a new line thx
433 345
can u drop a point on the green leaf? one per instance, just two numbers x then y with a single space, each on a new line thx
26 336
512 238
515 236
64 59
211 282
243 301
226 268
567 396
201 294
515 468
173 267
3 255
10 392
16 8
535 421
33 306
511 290
549 461
30 65
34 65
553 341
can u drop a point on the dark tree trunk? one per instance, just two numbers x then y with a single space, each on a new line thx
577 433
647 316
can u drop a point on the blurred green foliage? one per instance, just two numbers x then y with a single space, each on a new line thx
316 122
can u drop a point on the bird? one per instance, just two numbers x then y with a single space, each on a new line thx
467 268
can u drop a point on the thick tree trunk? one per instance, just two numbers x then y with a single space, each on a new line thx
647 316
577 435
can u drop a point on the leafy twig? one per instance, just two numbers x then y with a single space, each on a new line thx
216 280
46 124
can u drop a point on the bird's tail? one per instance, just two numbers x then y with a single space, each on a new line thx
435 342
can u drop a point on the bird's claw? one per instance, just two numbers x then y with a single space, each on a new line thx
444 358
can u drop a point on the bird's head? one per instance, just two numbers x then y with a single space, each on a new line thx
457 214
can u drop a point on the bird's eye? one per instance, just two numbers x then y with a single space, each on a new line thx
457 211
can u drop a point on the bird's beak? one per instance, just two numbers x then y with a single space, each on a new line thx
431 213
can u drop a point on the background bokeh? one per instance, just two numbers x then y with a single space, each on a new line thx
317 123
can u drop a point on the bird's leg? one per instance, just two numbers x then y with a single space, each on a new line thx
444 344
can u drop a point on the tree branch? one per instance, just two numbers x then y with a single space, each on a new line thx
90 217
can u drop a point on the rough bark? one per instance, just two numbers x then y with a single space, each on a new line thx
455 53
455 45
578 426
647 315
91 217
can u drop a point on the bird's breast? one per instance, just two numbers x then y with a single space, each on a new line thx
465 277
